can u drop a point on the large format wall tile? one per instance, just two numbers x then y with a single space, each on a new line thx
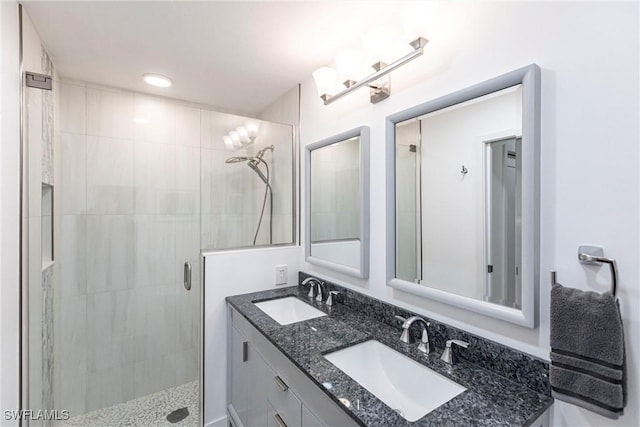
110 252
73 107
73 183
154 178
155 119
110 329
109 113
110 176
187 126
152 375
154 253
110 386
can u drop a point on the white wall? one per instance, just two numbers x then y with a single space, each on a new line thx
232 273
9 205
588 53
452 204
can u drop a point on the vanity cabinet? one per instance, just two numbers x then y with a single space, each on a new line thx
265 389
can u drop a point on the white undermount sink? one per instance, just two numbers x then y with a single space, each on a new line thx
411 389
289 310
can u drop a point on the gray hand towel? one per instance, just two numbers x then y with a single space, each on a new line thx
587 350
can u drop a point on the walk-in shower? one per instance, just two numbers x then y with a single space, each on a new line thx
254 163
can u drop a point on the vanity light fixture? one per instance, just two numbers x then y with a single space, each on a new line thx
157 80
326 77
241 136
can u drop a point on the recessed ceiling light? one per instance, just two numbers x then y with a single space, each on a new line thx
157 80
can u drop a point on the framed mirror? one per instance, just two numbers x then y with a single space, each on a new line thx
464 212
337 202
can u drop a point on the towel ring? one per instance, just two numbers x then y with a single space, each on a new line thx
594 255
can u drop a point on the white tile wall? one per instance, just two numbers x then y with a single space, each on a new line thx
130 216
126 325
110 176
110 252
73 183
109 113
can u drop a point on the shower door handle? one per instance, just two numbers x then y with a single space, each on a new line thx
187 275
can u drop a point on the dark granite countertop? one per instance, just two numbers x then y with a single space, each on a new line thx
490 399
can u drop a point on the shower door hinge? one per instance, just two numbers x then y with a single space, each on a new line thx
39 81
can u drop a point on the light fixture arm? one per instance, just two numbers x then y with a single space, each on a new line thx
418 49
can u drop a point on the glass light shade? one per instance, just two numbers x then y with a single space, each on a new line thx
235 137
349 64
243 133
252 129
228 142
157 80
325 78
378 44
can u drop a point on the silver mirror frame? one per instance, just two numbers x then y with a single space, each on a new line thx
363 271
529 77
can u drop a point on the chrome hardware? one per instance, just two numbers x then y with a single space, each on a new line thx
245 351
424 341
187 275
594 255
278 419
320 294
330 297
313 282
448 355
406 336
283 386
38 81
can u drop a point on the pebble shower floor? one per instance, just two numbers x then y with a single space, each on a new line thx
149 410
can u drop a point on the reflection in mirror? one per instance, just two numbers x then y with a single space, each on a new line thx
337 202
448 209
335 205
465 212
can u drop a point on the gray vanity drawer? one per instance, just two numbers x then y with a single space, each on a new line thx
285 403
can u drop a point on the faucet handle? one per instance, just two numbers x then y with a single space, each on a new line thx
457 342
400 318
330 297
448 355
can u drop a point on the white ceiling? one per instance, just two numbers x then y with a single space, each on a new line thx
239 56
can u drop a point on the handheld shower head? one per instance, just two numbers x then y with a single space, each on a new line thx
254 165
238 159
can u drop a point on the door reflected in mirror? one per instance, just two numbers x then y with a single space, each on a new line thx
458 198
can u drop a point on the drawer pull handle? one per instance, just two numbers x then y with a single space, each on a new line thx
281 383
278 419
245 351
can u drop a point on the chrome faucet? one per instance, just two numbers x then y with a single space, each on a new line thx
321 291
313 282
406 336
448 355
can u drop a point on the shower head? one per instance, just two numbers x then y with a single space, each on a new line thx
238 159
260 153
